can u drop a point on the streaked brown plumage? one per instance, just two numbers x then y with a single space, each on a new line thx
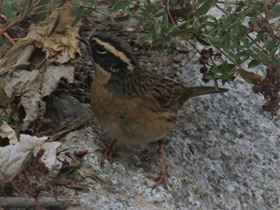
135 106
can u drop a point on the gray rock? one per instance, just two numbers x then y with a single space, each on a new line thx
222 154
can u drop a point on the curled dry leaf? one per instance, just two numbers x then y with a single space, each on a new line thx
55 73
49 157
35 64
7 132
249 76
29 84
15 158
35 86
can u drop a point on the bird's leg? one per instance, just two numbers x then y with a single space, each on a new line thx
161 179
108 152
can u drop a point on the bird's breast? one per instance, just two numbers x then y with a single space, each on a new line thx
130 120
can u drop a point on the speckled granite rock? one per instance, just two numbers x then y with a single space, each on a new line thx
222 154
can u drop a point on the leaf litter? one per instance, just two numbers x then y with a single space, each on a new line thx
35 64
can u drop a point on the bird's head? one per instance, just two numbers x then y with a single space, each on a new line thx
111 53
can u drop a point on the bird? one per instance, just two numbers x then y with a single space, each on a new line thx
134 105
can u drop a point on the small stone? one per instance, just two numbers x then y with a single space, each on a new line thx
214 153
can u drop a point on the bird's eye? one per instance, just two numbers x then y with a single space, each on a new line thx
101 50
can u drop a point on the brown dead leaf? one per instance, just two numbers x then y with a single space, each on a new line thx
32 63
15 158
249 76
4 99
17 56
55 73
7 132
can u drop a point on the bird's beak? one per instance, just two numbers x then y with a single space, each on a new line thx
83 39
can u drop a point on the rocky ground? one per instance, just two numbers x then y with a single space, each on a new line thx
222 154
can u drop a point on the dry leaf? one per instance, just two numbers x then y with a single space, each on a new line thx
27 83
49 157
7 132
53 74
4 99
61 46
32 62
249 76
15 158
17 56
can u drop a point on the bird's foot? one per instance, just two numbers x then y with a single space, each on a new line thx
160 180
107 153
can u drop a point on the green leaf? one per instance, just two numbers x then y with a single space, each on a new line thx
88 3
163 40
252 53
263 57
202 10
153 34
240 30
231 2
153 31
164 21
43 5
119 5
77 19
122 18
247 77
275 61
147 4
159 14
270 45
8 8
216 84
254 63
213 40
59 3
229 9
211 24
245 42
240 54
75 2
226 42
185 32
275 11
202 41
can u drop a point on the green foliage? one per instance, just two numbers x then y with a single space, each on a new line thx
41 9
81 11
235 34
8 6
12 119
246 34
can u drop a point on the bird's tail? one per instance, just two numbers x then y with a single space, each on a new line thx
197 91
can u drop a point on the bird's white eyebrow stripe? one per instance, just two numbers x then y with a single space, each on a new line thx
116 52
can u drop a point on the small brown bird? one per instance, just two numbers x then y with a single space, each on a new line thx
135 106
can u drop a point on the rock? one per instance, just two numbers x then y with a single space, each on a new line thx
232 163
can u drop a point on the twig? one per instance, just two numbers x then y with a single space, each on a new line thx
70 128
19 202
170 16
221 9
9 38
178 29
193 5
13 23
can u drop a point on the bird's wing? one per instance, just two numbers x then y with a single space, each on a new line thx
164 94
